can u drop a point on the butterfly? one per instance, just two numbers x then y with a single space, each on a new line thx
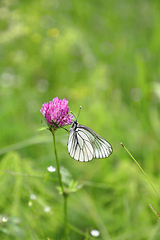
84 144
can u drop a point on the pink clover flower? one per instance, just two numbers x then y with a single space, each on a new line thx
56 113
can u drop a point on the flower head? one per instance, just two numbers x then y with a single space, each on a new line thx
56 113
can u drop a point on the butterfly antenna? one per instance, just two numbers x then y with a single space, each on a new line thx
74 114
79 112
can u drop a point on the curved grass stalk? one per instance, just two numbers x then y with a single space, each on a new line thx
141 170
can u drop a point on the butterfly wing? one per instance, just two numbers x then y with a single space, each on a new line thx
79 146
102 148
84 144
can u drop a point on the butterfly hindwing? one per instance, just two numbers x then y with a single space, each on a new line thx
102 148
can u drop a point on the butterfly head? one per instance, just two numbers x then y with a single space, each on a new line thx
74 125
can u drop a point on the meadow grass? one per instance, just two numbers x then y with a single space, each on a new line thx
103 56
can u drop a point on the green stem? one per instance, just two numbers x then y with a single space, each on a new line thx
62 189
141 170
154 211
58 167
65 215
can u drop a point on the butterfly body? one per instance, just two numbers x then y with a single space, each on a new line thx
84 144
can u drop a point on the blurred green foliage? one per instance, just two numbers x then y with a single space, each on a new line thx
104 56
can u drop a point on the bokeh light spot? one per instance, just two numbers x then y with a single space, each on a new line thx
7 77
17 81
89 60
75 66
97 22
136 94
48 4
46 22
42 85
26 30
76 49
53 32
4 12
65 5
32 106
20 56
143 54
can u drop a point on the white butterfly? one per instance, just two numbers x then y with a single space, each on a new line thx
84 144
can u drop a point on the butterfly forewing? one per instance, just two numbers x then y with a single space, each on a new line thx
84 144
79 146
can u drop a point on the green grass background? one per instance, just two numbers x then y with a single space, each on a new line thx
103 56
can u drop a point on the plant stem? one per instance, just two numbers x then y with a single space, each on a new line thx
65 215
62 189
141 170
58 167
154 211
